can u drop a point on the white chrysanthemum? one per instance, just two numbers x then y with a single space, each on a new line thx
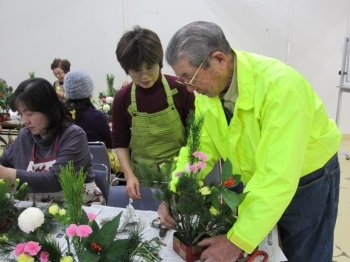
109 100
106 108
30 219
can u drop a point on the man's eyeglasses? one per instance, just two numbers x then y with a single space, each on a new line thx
193 77
149 72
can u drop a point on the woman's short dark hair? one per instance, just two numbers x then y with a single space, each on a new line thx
139 46
64 64
38 95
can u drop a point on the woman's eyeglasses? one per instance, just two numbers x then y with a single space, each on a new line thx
193 77
149 72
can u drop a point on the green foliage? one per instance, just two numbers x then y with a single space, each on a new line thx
5 94
31 74
8 194
111 91
198 209
72 183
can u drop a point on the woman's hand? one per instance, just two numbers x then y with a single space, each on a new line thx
8 174
133 187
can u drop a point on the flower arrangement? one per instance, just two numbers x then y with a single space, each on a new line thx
199 209
105 99
8 194
5 93
84 239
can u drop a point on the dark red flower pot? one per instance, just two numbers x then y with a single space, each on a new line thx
185 249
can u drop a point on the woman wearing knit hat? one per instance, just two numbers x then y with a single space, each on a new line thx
149 114
79 88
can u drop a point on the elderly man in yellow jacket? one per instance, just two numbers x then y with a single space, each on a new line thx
280 139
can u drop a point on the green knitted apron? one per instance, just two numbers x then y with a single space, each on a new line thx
155 138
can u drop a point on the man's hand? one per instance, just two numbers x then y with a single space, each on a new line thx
220 249
133 187
165 217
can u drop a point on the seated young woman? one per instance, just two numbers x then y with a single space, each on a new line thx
47 142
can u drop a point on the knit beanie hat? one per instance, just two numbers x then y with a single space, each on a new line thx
78 85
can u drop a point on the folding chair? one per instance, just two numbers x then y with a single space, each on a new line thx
101 179
117 197
100 158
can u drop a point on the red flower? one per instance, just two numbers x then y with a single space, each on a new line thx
229 182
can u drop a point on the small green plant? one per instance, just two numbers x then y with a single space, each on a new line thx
5 93
31 74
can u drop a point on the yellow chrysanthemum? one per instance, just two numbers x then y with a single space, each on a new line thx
62 212
25 258
200 183
3 238
53 209
205 190
66 259
213 211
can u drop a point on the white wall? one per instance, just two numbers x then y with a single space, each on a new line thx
307 34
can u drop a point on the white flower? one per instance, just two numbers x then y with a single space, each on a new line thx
30 219
109 100
106 108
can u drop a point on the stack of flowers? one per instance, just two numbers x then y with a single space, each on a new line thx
199 209
84 240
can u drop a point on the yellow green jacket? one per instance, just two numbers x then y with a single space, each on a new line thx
280 132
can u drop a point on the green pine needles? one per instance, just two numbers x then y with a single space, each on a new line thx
72 183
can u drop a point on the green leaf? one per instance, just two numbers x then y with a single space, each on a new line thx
88 256
215 199
226 170
237 179
231 199
115 251
105 235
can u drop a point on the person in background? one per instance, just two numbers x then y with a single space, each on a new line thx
47 142
79 89
60 67
278 137
149 114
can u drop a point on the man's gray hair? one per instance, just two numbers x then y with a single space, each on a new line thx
195 42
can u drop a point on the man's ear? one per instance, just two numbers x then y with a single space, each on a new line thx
220 57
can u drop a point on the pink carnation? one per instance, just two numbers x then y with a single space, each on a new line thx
103 99
178 174
70 231
19 249
196 154
91 216
193 168
83 231
44 257
32 248
201 165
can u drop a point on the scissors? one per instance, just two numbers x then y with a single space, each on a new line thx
255 254
162 229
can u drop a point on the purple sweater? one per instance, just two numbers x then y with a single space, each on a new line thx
96 127
149 100
72 145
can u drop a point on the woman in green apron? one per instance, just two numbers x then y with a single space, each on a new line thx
149 114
